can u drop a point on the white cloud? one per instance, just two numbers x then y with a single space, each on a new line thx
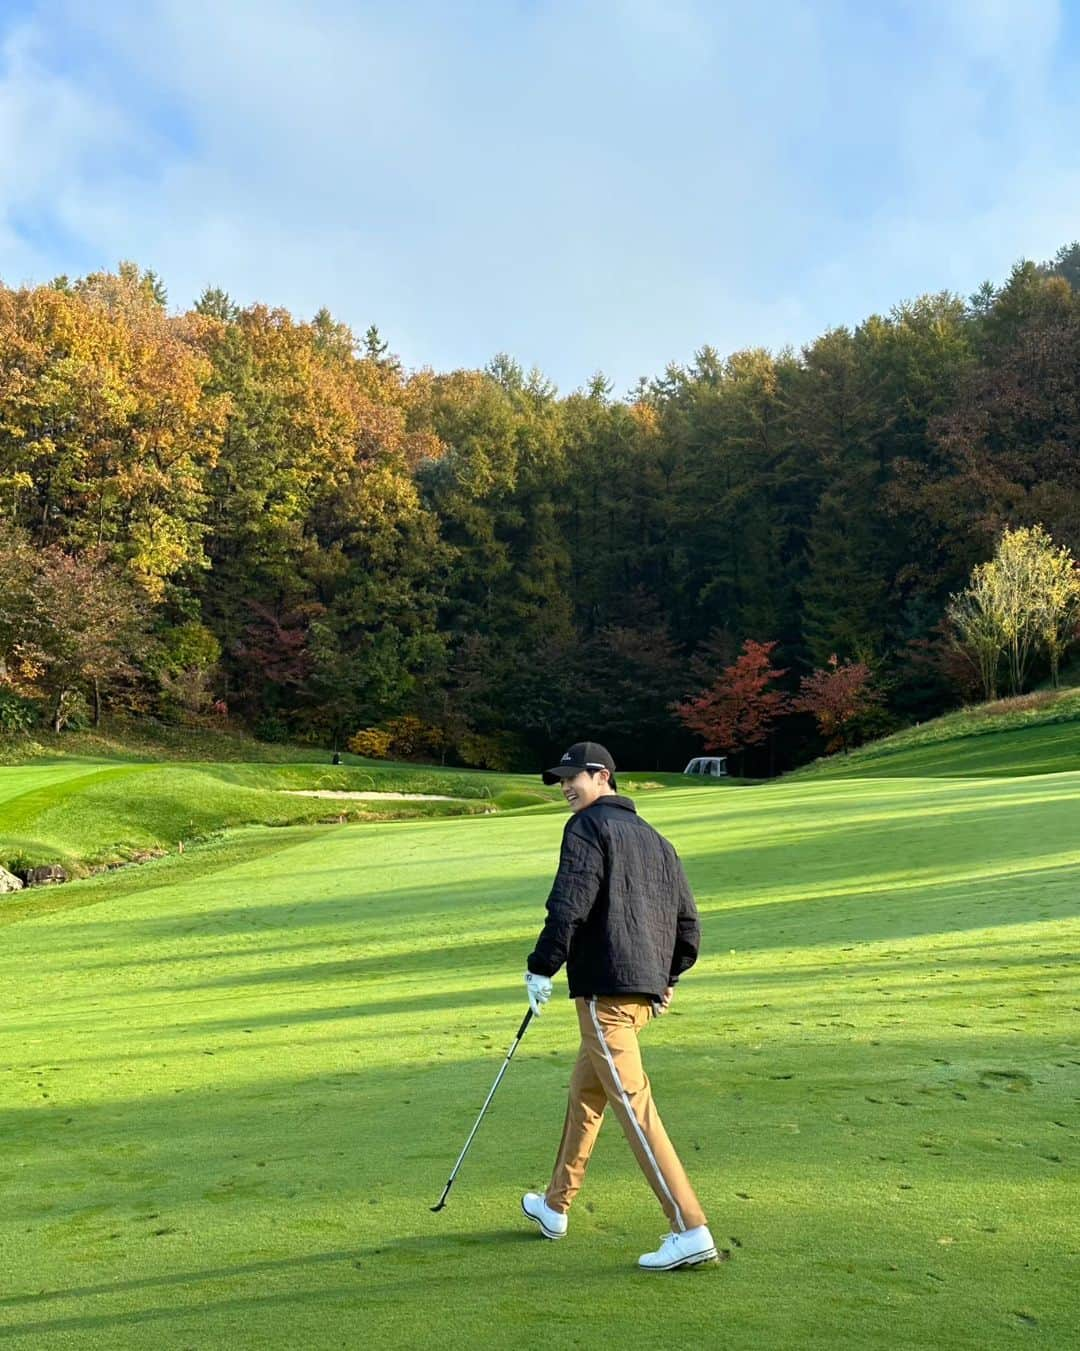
585 185
50 130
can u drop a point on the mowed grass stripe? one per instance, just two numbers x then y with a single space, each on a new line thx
258 1078
26 791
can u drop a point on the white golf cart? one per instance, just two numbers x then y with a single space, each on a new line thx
713 765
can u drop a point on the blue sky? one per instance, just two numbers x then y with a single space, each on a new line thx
587 185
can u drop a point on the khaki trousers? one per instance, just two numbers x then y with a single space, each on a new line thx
609 1070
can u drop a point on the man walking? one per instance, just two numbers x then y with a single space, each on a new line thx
622 917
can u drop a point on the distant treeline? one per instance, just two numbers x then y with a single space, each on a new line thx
230 513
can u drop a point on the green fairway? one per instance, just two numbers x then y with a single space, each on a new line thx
234 1082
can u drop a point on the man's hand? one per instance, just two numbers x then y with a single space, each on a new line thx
661 1005
539 991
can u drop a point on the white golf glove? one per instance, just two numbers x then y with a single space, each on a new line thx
539 991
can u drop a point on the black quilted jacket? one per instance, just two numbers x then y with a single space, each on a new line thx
621 914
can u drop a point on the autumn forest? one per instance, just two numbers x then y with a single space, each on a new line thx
234 517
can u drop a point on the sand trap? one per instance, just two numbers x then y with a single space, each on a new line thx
407 797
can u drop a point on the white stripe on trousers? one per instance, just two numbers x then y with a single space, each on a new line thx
630 1113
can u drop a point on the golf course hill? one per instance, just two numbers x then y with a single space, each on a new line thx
1030 734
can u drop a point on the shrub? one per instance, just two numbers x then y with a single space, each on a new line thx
372 742
272 729
410 736
500 750
399 739
16 713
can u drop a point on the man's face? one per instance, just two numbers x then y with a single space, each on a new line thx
583 789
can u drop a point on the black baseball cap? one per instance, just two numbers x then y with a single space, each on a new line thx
581 755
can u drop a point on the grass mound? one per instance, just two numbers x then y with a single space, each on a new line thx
86 813
1031 734
516 798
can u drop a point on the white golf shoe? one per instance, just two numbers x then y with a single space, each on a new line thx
687 1249
552 1224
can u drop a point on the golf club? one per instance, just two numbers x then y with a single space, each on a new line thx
509 1056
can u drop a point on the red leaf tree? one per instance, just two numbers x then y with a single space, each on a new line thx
838 698
739 709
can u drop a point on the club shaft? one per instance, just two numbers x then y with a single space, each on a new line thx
487 1100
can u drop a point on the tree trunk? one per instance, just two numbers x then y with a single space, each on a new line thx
97 702
988 671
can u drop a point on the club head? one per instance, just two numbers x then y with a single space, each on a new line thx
436 1209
